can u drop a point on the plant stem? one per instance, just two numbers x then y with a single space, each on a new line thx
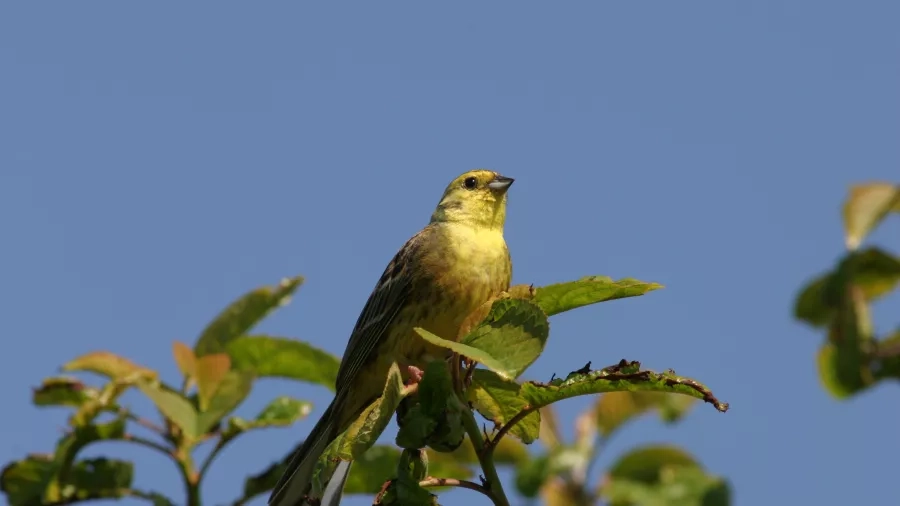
190 477
485 455
149 444
451 482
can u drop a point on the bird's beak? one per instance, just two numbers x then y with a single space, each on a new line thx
500 183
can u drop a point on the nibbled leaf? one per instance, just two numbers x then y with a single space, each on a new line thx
243 314
174 406
63 391
508 341
865 207
560 297
624 377
209 372
498 400
283 358
110 365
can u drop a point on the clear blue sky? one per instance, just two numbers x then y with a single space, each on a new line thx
157 161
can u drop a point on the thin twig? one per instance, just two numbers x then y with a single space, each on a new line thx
492 443
149 444
143 422
451 482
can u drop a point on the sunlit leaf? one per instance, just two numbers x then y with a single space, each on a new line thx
281 412
209 372
174 406
498 400
184 359
231 392
507 341
624 377
865 207
561 297
243 314
110 365
283 358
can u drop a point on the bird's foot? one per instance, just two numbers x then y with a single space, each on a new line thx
415 375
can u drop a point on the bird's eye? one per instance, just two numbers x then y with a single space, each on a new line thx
470 183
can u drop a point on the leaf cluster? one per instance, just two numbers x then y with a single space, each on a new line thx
852 357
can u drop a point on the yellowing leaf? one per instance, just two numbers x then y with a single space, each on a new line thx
866 206
210 371
184 359
110 365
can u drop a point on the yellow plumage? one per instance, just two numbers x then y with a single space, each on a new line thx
452 266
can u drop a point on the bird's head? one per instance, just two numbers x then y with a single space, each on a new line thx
476 198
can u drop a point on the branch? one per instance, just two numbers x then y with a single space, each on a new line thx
491 482
451 482
143 422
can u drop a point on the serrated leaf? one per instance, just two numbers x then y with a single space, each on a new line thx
110 365
560 297
184 359
362 434
174 406
616 408
63 391
624 377
497 399
283 358
508 341
873 271
231 392
243 314
210 371
865 207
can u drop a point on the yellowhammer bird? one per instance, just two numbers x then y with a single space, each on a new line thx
453 265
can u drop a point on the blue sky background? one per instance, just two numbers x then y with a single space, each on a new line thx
158 161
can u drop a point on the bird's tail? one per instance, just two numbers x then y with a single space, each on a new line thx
296 482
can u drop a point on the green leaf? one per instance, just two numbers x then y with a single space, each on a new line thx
644 463
174 406
110 365
284 358
626 376
887 357
24 481
231 392
663 476
243 314
362 434
435 420
184 359
209 371
873 271
616 408
100 477
560 297
531 475
498 400
63 391
508 451
508 341
866 206
281 412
